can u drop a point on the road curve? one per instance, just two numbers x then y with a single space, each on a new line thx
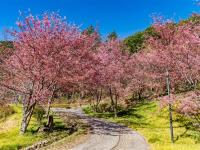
106 135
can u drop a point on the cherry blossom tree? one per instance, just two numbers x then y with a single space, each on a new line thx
139 80
176 49
48 53
173 55
189 106
112 70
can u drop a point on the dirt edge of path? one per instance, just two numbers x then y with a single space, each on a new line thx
68 142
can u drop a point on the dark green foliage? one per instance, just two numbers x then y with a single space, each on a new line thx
5 44
8 44
135 42
112 36
150 32
194 19
89 30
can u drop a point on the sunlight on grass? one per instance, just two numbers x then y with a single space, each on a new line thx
153 124
10 139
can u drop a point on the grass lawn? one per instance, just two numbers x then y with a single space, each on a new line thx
153 124
10 139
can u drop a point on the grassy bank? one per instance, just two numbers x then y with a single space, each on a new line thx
68 142
153 124
10 139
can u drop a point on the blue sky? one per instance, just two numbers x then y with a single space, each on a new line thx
123 16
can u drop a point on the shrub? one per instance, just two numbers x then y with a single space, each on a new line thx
38 113
104 107
5 111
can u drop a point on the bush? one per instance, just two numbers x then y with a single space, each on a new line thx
103 107
5 111
38 113
88 110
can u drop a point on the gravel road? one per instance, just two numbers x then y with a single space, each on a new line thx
106 135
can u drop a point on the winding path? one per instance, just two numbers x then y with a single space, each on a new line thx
106 135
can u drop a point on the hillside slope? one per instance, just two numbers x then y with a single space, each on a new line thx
153 124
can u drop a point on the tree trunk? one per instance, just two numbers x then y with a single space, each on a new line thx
82 95
170 107
139 95
50 123
73 96
23 124
26 117
49 102
48 107
111 98
116 103
16 98
98 99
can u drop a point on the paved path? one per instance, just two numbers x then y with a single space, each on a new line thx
106 135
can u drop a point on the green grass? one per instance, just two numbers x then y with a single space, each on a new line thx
10 139
9 134
153 124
